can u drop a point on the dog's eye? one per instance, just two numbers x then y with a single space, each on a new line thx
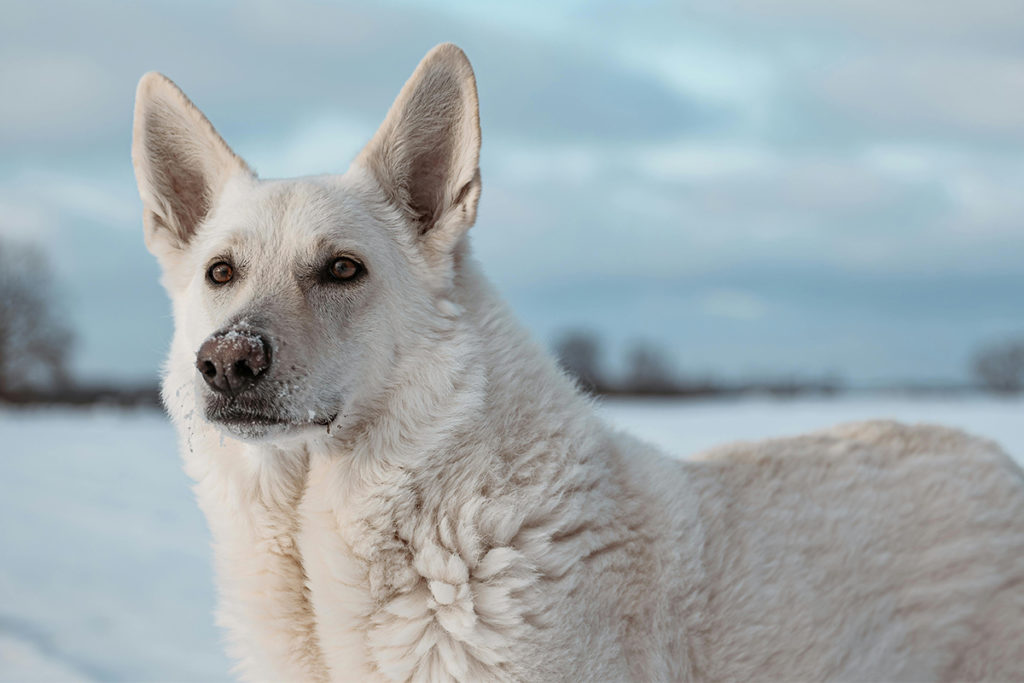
344 268
220 273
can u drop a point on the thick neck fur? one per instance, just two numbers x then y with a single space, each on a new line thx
409 539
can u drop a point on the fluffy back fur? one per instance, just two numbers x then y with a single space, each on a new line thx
413 491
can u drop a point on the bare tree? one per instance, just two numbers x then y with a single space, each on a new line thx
1000 367
579 353
34 342
649 371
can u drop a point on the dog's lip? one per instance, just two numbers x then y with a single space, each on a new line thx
243 417
248 418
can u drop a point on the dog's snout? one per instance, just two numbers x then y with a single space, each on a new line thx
233 361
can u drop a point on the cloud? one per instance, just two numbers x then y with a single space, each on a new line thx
40 203
687 159
980 22
321 143
51 97
261 68
732 303
930 94
25 220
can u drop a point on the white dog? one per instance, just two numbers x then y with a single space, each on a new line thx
402 485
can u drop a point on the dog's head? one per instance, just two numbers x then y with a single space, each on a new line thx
294 298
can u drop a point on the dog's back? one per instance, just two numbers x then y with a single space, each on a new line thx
869 551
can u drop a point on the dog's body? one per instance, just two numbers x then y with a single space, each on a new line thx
402 485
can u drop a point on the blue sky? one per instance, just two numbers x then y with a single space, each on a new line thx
781 187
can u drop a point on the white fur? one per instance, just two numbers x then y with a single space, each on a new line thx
439 502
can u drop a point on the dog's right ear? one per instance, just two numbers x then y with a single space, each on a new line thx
181 164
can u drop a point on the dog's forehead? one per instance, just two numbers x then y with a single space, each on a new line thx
295 216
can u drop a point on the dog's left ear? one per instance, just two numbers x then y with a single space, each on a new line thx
426 154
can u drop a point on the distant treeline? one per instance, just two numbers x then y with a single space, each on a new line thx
649 371
145 395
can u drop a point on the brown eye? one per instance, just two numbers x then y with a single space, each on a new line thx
344 268
220 273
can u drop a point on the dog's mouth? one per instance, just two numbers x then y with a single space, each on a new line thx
259 419
268 413
254 423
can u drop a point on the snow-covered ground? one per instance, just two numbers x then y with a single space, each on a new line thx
105 568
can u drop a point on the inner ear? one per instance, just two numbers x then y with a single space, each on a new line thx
429 170
425 156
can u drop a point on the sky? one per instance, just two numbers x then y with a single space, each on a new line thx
780 188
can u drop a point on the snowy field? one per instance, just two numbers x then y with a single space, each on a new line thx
105 563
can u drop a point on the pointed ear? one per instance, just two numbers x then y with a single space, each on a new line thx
181 163
426 154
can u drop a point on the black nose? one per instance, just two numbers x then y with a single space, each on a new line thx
233 361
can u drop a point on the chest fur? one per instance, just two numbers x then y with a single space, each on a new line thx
399 592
